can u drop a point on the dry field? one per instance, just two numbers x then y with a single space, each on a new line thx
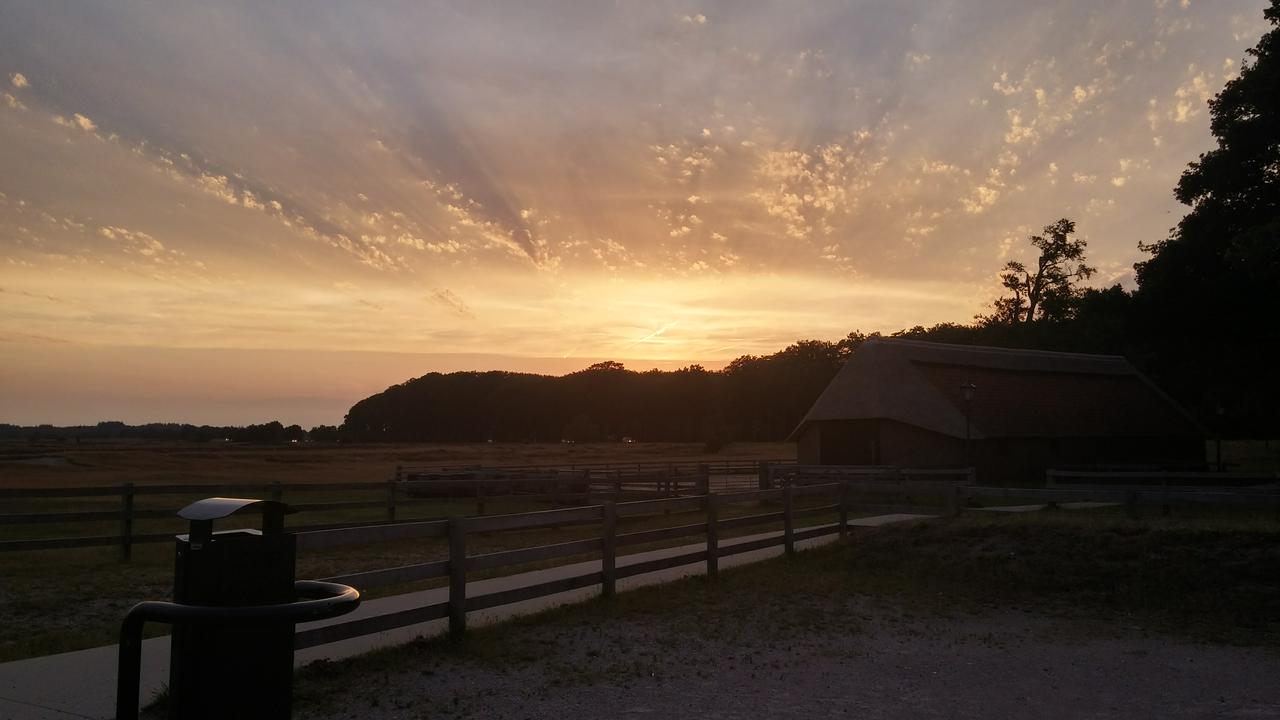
49 464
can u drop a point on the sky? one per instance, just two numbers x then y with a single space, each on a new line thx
235 212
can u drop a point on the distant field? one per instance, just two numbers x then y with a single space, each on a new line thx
52 464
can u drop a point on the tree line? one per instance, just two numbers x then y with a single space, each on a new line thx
267 433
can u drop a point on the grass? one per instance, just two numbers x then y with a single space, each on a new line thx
1204 578
1093 575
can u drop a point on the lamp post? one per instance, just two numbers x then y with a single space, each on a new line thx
967 390
1221 412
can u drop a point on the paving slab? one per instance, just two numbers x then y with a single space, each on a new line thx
82 684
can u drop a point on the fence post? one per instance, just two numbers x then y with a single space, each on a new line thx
844 509
457 578
1131 499
609 550
391 499
277 491
957 500
704 479
126 522
713 536
765 480
399 471
788 521
479 498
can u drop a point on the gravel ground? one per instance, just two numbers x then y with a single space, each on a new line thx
835 656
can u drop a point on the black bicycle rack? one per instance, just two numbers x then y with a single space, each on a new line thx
235 606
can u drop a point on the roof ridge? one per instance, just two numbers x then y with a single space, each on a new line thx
991 349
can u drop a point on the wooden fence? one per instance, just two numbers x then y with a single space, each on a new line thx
395 495
610 541
605 469
618 483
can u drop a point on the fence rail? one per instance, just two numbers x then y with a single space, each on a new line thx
395 496
717 467
613 564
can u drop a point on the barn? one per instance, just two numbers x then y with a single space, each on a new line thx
1010 414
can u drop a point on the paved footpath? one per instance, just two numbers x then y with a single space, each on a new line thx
82 684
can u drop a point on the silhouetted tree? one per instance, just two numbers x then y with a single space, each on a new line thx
324 434
1049 292
1207 296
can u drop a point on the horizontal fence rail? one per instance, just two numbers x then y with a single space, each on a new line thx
614 565
394 495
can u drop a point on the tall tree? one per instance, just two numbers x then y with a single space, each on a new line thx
1207 294
1049 292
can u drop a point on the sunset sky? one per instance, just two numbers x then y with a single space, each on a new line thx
230 213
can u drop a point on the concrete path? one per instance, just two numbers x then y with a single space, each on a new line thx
1082 505
82 684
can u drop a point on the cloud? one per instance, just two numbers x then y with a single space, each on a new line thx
917 59
19 80
451 302
137 242
76 121
1192 95
982 198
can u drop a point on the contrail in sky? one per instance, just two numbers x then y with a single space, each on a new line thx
654 334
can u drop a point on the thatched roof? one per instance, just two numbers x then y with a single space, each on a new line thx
1019 393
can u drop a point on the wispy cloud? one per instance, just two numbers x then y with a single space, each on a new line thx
451 302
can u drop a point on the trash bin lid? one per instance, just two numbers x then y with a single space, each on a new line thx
219 507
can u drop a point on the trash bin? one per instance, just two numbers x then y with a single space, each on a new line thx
235 606
224 670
